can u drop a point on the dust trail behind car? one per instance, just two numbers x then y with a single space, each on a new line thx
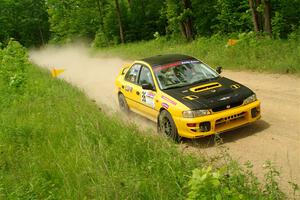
275 137
95 75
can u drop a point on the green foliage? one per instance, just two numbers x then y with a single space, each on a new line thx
13 65
143 19
272 186
24 20
32 21
286 17
233 16
73 19
295 35
100 40
173 11
250 53
204 16
277 25
233 182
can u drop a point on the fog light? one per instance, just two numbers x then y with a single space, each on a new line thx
204 126
191 124
254 112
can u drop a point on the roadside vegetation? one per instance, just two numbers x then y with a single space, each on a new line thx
56 144
268 30
279 56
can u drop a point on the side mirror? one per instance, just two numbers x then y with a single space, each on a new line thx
219 69
147 86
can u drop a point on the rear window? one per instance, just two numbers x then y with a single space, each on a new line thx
133 73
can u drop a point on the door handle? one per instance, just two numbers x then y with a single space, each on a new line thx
137 93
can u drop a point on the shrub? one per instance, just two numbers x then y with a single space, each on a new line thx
231 181
13 65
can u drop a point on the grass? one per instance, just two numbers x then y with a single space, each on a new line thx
56 144
279 56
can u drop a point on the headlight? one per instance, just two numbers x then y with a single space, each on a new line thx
195 113
250 99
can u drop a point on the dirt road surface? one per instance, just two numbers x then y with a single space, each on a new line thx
276 137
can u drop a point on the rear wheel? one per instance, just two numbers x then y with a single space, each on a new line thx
167 126
123 104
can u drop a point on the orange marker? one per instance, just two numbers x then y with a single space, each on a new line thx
56 72
232 42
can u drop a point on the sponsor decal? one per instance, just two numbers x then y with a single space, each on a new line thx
228 106
128 88
175 64
166 66
150 95
189 61
168 100
165 105
147 98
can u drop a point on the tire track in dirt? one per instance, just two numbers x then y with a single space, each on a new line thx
275 137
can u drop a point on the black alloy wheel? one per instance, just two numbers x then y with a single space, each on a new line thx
167 126
123 104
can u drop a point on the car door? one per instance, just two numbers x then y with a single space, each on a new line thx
147 97
130 87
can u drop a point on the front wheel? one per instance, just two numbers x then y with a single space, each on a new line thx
123 104
167 126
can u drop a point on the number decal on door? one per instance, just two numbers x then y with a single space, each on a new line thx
144 96
148 98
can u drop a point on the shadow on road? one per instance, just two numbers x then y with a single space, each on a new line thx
228 137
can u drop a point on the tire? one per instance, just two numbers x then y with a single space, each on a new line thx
167 126
123 104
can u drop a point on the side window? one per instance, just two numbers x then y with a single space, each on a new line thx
146 76
133 73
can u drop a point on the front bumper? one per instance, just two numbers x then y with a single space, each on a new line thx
218 122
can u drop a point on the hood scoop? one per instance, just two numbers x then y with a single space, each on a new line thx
235 86
205 87
191 97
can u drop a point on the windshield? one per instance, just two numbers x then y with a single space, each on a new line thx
183 73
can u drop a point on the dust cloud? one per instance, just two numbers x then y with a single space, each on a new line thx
92 73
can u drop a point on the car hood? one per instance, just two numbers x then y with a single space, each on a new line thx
218 94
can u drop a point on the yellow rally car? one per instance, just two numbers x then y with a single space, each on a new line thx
185 96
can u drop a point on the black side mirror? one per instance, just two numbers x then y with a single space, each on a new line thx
147 86
219 69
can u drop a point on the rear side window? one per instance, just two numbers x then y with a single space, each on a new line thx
133 73
146 77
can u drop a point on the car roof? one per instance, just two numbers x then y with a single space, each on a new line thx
165 59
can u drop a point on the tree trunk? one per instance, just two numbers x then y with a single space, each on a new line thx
99 5
119 21
187 23
41 34
188 30
260 19
183 32
143 8
267 17
129 3
254 15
